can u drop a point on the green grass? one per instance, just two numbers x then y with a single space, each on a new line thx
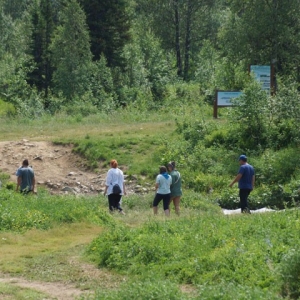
200 255
10 291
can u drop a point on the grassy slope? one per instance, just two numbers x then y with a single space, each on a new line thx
46 254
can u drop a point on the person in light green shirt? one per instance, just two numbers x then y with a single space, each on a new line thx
176 191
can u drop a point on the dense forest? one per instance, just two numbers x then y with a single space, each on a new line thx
95 55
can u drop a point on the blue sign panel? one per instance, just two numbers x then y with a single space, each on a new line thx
225 98
262 75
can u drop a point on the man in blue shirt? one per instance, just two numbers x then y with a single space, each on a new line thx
246 180
26 178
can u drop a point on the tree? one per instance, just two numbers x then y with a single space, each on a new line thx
14 60
263 32
15 8
71 52
42 18
101 85
109 24
181 26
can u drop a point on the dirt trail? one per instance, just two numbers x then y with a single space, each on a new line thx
61 171
56 167
57 291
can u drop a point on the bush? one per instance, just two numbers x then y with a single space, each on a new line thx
208 182
229 291
209 251
290 274
277 167
250 114
6 109
146 288
23 212
273 196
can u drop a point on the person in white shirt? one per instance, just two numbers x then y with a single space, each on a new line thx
162 189
114 187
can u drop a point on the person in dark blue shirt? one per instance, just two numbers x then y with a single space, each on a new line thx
26 178
246 180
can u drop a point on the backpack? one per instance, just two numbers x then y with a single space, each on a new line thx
116 189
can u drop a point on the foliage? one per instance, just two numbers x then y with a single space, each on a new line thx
246 32
71 55
42 23
147 288
109 24
285 112
278 166
181 26
251 118
275 196
6 108
20 213
289 271
220 250
101 86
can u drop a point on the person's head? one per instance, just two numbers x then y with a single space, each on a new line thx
242 159
114 163
25 163
162 169
171 165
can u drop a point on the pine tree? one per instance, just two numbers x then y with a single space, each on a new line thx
42 17
14 8
71 52
109 26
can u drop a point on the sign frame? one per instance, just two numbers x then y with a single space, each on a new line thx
223 99
265 75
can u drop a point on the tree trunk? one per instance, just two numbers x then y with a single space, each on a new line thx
177 39
187 45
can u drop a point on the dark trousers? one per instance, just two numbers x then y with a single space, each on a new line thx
26 191
114 202
244 193
164 197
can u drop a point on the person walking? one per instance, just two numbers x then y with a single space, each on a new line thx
25 178
162 189
114 187
176 191
246 181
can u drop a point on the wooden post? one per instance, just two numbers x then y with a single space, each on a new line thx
272 83
216 105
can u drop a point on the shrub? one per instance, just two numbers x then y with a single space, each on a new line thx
229 291
23 212
251 117
6 108
277 167
290 274
273 196
209 251
146 288
208 182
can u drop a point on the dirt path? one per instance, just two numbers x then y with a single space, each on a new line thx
56 167
57 291
61 171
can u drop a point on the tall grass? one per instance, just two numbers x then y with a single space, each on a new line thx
206 251
43 211
218 257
